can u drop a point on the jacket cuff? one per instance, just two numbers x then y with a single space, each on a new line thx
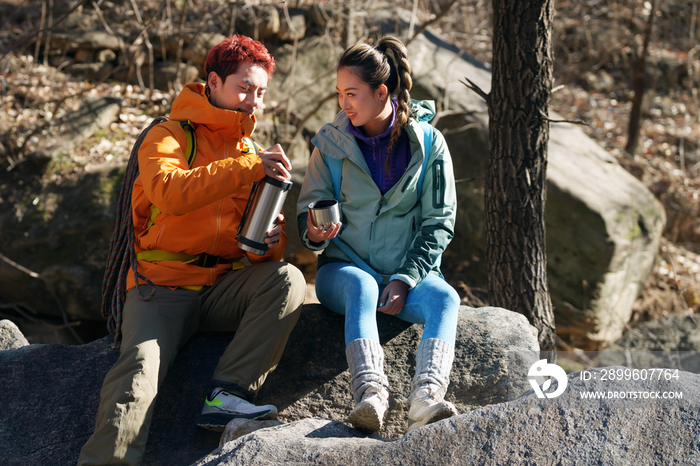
257 166
311 245
404 278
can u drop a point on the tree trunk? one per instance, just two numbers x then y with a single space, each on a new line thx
516 187
639 86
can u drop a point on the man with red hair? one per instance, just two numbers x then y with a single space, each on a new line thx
186 215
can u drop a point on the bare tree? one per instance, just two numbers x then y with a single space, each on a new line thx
516 190
639 85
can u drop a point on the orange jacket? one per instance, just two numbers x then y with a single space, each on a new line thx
200 208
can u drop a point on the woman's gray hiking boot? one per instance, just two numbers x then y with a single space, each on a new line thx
433 365
368 383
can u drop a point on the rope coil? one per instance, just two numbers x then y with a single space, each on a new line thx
121 255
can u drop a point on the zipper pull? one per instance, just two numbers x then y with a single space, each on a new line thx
379 206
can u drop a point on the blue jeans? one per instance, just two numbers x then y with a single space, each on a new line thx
346 289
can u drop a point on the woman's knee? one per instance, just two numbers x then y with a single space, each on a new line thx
436 299
452 300
351 278
347 284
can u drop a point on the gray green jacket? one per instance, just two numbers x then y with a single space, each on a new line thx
398 235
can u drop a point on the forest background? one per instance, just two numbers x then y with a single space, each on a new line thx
598 45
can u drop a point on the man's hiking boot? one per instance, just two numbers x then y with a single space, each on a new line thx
221 407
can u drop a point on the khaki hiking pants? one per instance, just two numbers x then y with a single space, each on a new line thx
261 303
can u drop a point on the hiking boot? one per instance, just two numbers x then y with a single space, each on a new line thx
427 407
433 365
221 407
368 383
368 414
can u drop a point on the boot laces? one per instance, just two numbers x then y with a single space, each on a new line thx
371 392
430 393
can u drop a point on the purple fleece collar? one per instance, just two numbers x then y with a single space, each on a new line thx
359 132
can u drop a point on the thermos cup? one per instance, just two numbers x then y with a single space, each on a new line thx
325 212
261 211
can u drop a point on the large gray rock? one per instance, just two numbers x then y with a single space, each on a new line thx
672 341
259 21
565 430
240 427
603 225
294 28
493 352
674 332
10 336
50 393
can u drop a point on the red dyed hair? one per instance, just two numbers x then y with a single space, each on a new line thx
224 57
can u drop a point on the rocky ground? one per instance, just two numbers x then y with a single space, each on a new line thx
595 44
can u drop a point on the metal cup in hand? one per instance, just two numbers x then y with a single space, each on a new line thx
324 212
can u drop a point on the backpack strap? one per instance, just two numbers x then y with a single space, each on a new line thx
336 165
358 261
191 149
428 145
251 143
336 168
190 153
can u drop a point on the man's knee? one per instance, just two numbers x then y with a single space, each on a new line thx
285 285
294 277
295 285
288 278
140 364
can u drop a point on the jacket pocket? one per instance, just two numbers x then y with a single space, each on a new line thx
438 184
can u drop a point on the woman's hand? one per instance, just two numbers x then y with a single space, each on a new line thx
273 236
393 298
319 235
276 163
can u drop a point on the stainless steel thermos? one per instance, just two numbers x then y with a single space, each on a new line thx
261 211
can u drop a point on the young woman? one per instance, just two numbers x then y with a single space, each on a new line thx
397 216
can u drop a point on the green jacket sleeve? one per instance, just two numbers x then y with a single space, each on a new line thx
438 210
317 185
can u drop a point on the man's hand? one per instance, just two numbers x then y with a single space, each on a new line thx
273 236
319 235
393 298
276 163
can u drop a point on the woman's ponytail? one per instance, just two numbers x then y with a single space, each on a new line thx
399 82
